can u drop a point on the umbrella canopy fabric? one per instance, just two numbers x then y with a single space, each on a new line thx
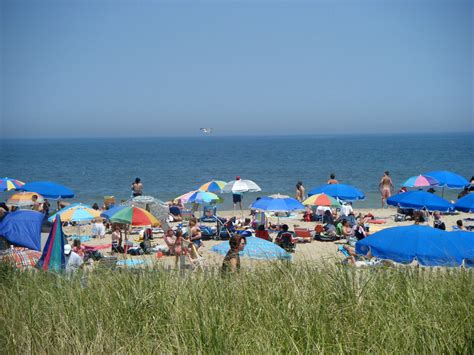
321 200
421 181
77 213
466 203
7 184
22 199
156 207
23 228
134 216
449 179
341 191
110 212
429 246
420 200
49 189
53 253
203 197
214 186
277 204
256 248
241 186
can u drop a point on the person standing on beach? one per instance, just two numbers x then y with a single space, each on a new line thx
385 187
237 198
300 191
137 188
332 180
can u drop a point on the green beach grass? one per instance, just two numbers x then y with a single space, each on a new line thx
278 309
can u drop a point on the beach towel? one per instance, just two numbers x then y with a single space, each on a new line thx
82 238
97 247
377 221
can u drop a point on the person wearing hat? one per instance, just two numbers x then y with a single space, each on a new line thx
237 198
73 260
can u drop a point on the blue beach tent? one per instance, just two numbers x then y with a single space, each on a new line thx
23 228
429 246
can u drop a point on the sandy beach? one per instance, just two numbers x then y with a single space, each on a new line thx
314 252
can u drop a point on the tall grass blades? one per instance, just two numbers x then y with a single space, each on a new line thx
278 309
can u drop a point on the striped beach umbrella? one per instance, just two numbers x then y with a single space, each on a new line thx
321 200
53 252
134 216
77 213
7 184
203 197
421 181
21 199
214 186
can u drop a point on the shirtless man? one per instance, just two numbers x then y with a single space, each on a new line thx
385 187
137 187
332 180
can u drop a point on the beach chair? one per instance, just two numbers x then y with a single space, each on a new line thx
304 234
196 261
186 214
260 218
209 214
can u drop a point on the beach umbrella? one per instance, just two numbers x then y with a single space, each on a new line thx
23 228
421 181
214 186
419 200
7 184
240 186
52 257
449 179
156 207
49 189
134 216
22 199
429 246
341 191
204 197
465 204
322 200
77 213
256 248
279 203
111 211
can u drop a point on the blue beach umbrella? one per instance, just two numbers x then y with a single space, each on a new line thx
420 200
278 203
449 179
111 211
465 204
429 246
49 189
203 197
256 248
341 191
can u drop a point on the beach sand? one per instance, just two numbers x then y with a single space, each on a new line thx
314 252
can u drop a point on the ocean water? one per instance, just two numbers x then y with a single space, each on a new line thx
168 167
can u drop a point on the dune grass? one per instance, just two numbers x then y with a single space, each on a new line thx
279 309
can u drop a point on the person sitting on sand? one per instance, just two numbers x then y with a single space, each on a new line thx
459 225
231 261
347 231
73 261
78 248
332 180
117 240
262 233
438 223
98 229
286 239
359 230
178 248
195 234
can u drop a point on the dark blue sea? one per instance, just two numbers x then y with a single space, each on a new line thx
168 167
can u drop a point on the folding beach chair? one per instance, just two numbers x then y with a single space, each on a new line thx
304 234
195 259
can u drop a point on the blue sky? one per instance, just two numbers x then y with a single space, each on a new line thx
166 68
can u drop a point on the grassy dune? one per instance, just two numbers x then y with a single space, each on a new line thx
282 308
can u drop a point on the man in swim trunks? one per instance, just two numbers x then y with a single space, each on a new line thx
385 187
237 198
332 180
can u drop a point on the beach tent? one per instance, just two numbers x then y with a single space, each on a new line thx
341 191
53 253
429 246
49 189
420 200
23 228
256 248
466 203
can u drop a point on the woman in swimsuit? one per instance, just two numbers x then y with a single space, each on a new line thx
231 261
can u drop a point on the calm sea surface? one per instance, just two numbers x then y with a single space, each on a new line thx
168 167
